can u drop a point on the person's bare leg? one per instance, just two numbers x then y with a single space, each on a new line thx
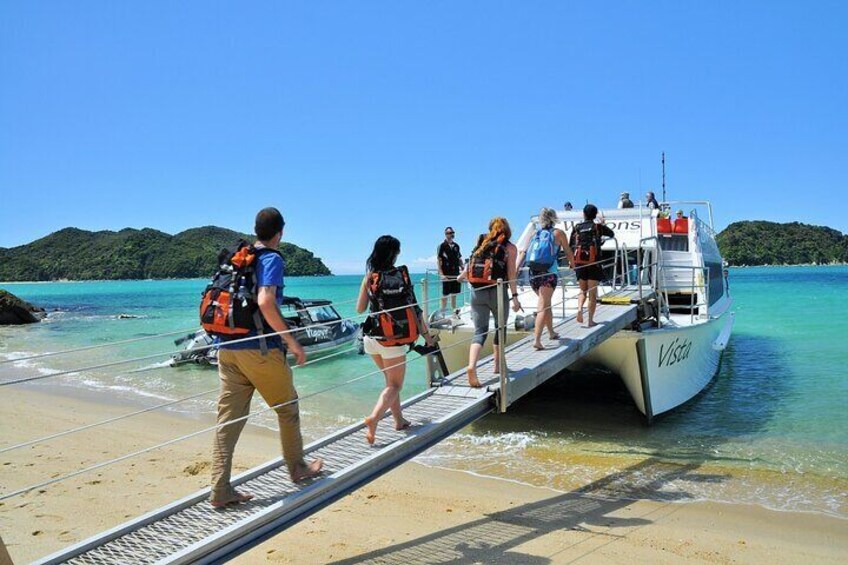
593 302
539 323
444 302
372 421
453 303
473 357
548 293
397 363
581 299
396 369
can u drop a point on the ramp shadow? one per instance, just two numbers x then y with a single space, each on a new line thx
494 538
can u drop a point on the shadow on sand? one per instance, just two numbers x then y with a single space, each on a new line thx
493 539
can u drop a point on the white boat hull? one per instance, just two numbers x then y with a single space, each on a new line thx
661 368
664 368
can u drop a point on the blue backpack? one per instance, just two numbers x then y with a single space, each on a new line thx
542 253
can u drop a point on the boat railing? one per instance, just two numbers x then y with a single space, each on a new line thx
565 274
649 262
695 288
674 203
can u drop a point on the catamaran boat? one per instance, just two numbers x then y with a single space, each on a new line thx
674 348
319 329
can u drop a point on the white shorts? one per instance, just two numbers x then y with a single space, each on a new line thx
374 347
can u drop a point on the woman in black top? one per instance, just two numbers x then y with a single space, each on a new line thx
590 274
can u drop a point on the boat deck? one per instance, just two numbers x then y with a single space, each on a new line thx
191 531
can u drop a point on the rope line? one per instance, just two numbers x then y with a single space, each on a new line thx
158 406
121 458
348 382
193 330
229 342
148 409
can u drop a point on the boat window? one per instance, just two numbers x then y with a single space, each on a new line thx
716 272
323 314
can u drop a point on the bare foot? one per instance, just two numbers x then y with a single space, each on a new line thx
579 317
402 424
591 324
238 498
307 471
554 336
538 347
473 382
370 429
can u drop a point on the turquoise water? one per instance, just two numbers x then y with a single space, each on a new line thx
772 429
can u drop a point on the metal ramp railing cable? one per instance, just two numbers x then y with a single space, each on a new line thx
152 408
158 406
198 349
123 342
194 434
148 409
119 459
205 430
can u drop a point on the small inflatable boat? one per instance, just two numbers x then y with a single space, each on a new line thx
319 329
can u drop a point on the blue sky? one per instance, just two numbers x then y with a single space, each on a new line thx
363 118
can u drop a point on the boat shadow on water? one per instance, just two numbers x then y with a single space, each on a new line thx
590 511
752 384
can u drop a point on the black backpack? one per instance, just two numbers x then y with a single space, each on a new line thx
587 240
392 290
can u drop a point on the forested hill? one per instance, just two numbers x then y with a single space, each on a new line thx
770 243
77 254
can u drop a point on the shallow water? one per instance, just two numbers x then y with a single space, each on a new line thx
772 429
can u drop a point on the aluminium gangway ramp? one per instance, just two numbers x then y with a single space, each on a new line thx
191 531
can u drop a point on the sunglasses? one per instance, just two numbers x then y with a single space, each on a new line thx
448 233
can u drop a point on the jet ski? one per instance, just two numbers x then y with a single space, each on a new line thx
318 328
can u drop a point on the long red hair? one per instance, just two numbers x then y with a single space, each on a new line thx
498 229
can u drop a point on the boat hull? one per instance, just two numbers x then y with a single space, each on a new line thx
662 368
666 367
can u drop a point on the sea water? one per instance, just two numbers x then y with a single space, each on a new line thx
772 428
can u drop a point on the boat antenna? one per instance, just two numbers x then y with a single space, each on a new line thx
663 175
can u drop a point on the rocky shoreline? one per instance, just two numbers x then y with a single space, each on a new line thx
15 311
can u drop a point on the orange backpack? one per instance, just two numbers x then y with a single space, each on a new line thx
488 265
228 307
392 290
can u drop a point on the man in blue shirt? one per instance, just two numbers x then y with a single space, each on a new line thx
247 366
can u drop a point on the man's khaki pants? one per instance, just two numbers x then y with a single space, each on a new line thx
242 371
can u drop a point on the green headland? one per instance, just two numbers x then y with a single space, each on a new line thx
75 254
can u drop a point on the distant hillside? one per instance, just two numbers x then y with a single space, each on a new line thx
770 243
77 254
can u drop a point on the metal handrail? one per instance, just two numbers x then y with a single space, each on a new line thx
671 203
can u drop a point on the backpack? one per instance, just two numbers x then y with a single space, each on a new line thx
587 238
228 307
487 265
542 254
392 290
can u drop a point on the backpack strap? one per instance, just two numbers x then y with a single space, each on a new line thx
257 315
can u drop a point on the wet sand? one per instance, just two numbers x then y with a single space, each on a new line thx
415 514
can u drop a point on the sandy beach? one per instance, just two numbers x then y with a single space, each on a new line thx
415 514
